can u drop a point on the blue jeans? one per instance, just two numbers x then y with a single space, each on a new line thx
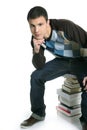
54 69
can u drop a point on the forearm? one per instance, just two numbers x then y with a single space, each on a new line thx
38 59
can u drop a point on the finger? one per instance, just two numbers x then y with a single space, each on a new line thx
84 81
85 88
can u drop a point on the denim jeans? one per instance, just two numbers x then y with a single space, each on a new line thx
51 70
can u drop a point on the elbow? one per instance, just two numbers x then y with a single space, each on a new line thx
39 66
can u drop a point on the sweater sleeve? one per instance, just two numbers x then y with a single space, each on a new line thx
38 59
76 33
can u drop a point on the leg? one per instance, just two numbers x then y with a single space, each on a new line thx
51 70
83 118
83 102
80 70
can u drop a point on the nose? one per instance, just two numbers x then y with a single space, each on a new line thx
36 29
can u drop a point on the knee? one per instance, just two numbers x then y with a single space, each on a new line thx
37 74
34 74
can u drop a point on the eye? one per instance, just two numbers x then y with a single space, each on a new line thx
40 24
32 26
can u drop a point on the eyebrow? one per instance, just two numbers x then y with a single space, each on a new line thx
37 24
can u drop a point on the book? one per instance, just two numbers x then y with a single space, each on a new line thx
72 119
71 90
71 76
68 111
72 84
70 103
71 80
67 95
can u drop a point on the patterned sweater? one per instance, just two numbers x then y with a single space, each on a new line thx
67 40
60 46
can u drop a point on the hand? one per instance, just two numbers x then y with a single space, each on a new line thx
37 44
85 83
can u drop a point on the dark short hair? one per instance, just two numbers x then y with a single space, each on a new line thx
36 12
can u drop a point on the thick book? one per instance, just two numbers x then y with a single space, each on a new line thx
71 80
71 85
71 90
70 103
70 76
68 111
67 95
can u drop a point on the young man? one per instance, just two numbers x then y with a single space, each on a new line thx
67 41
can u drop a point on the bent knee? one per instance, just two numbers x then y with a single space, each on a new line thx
37 74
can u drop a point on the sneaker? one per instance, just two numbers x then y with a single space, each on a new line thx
29 122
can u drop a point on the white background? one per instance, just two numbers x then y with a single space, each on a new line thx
16 66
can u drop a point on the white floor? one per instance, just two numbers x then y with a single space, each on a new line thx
16 108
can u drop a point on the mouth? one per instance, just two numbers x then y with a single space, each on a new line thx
37 35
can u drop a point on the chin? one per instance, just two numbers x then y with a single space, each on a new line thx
39 38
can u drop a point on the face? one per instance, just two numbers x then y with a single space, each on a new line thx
39 27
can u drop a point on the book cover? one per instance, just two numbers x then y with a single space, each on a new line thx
70 103
67 95
71 90
69 111
71 80
71 85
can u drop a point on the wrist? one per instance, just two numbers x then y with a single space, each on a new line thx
36 50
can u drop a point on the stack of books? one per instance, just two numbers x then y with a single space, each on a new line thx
69 97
